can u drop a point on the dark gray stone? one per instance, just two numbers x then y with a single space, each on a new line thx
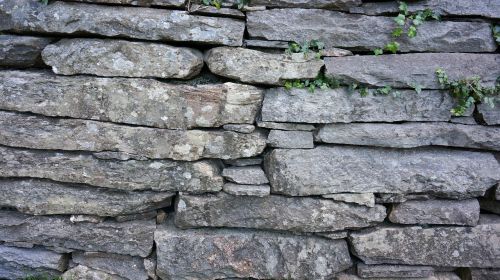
319 4
243 161
128 267
146 3
388 270
21 51
249 175
290 139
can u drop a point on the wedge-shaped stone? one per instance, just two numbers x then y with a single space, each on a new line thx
128 267
388 270
250 175
112 21
252 66
490 115
437 246
21 51
408 70
128 238
409 135
38 132
130 175
224 253
336 29
339 169
273 212
134 101
367 199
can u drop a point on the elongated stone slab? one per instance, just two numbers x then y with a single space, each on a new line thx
388 270
290 139
250 175
252 66
319 4
146 3
409 135
335 29
128 267
21 51
273 212
113 21
339 169
133 101
434 276
437 246
224 253
38 132
84 272
157 175
408 70
128 238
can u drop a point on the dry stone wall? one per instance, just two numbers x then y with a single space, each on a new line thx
166 139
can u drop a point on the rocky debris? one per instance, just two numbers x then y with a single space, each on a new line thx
446 173
335 29
490 115
436 246
86 273
17 263
366 199
127 267
482 274
21 51
252 66
147 3
247 190
241 128
286 126
247 175
114 21
388 270
243 161
273 212
333 235
290 139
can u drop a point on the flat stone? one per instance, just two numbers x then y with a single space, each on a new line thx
129 238
139 216
343 5
241 128
21 51
114 21
243 161
286 126
252 66
86 219
335 29
366 199
408 70
81 272
146 3
290 139
127 267
333 235
437 246
336 52
249 175
464 120
213 11
388 270
248 190
265 44
434 276
340 169
39 197
225 253
490 115
399 197
107 57
492 206
483 274
130 175
273 212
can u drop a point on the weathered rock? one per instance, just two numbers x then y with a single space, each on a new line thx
130 175
129 238
442 172
335 29
213 11
409 135
387 270
400 197
241 128
134 101
464 120
334 234
408 70
319 4
82 272
127 267
248 190
112 21
286 126
290 139
490 115
438 246
39 132
434 276
252 66
21 51
147 3
273 212
139 216
482 274
86 219
38 197
249 175
150 266
366 199
225 253
243 161
106 57
18 263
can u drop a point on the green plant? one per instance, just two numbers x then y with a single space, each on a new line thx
243 3
314 46
321 82
496 33
216 3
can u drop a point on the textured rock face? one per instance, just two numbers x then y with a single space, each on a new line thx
320 4
360 169
17 263
251 175
241 254
407 70
103 57
163 3
367 199
251 66
250 190
87 273
439 246
21 51
484 274
273 212
286 126
290 139
112 21
434 276
404 271
490 115
128 267
336 29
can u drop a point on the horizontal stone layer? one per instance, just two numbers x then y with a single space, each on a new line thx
146 3
388 270
21 51
251 175
247 190
339 169
128 267
435 276
85 272
320 4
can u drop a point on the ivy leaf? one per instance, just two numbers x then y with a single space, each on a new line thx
384 91
392 47
412 31
417 88
397 32
363 91
403 7
418 20
378 51
400 19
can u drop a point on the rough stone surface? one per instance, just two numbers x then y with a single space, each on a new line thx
82 272
241 128
319 4
249 175
248 190
21 51
337 169
286 126
334 234
86 219
434 276
399 197
213 11
290 139
17 263
128 267
147 3
243 161
273 212
252 66
492 206
366 199
386 270
464 120
483 274
490 115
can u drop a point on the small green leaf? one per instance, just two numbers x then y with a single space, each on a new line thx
417 88
392 47
412 31
397 32
378 51
400 19
403 7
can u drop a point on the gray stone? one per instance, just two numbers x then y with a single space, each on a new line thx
243 161
335 29
38 197
130 175
127 100
129 238
333 235
447 173
434 276
139 216
106 57
299 214
463 120
343 5
86 219
408 70
366 199
336 52
252 66
150 266
127 267
482 274
490 115
81 272
399 197
265 44
286 126
492 206
248 190
241 128
249 175
437 246
112 21
387 270
225 253
21 51
290 139
18 263
146 3
213 11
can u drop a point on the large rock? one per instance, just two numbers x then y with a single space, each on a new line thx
252 66
128 238
409 135
224 253
18 263
21 51
130 175
134 101
437 246
273 212
128 267
343 30
112 21
38 132
408 70
336 169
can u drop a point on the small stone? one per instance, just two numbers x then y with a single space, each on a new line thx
248 190
343 5
81 272
367 199
205 10
399 197
265 44
247 175
290 139
490 115
241 128
434 276
139 216
161 217
243 161
146 3
390 271
21 51
333 235
127 267
150 266
86 219
286 126
335 52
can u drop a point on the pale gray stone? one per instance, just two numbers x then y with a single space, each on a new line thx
146 3
241 128
127 267
336 52
196 9
86 219
247 190
243 161
334 234
150 266
286 126
82 272
265 44
366 199
490 115
21 51
399 197
463 120
387 270
290 139
249 175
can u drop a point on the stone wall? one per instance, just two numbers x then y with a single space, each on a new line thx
153 139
